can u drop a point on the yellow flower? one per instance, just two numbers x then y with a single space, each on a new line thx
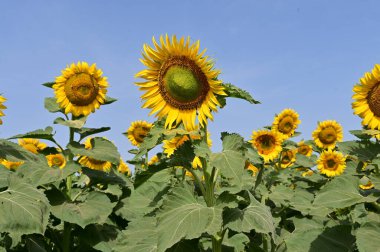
80 89
171 145
196 163
32 145
138 131
367 98
331 163
304 149
180 82
2 106
286 122
268 144
307 173
123 168
327 134
249 166
288 157
153 160
10 164
94 163
367 186
56 160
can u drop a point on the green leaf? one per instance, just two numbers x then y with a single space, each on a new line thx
52 106
201 149
281 194
363 150
48 84
233 91
111 177
76 124
102 149
361 134
35 243
304 161
46 134
182 216
85 132
4 174
301 201
23 208
235 243
109 100
368 237
100 237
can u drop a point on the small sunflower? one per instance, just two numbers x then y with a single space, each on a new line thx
138 131
154 160
80 89
331 163
32 145
10 164
288 157
2 106
268 144
94 163
367 98
56 160
328 134
304 149
249 166
286 122
171 145
367 186
307 173
123 168
180 83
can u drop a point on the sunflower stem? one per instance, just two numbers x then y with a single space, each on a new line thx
66 237
198 181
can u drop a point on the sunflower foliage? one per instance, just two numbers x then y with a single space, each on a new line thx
266 193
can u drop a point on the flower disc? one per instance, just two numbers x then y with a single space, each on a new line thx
2 106
138 131
327 134
286 122
304 149
80 89
331 163
32 145
181 82
268 144
57 160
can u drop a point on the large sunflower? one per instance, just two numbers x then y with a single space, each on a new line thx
367 98
138 131
286 122
2 106
180 82
331 163
94 163
32 145
327 134
268 144
304 149
56 160
80 89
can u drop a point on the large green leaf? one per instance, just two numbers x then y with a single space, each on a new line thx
183 217
368 237
233 91
363 150
304 161
84 132
4 174
76 124
46 134
14 152
23 208
100 237
52 106
235 243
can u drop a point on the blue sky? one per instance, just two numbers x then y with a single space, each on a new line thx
305 55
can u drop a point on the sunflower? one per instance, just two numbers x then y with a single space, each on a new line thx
56 160
32 145
94 163
138 131
180 82
327 134
197 163
154 160
80 89
304 149
10 164
307 173
268 143
331 163
286 122
367 186
367 98
288 157
171 145
123 168
249 166
2 100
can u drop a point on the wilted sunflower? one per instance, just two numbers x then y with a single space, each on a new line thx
32 145
304 149
288 157
2 106
367 98
56 160
10 164
123 168
331 163
181 82
327 134
249 166
268 143
286 122
138 131
94 163
171 145
80 89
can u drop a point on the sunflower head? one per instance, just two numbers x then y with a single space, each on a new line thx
304 149
366 98
32 145
307 173
286 122
10 164
155 159
249 166
138 131
171 145
2 106
288 157
268 143
123 168
327 134
80 89
366 184
180 82
94 163
57 160
331 163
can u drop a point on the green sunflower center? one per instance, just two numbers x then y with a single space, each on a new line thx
286 125
81 89
328 135
374 99
266 144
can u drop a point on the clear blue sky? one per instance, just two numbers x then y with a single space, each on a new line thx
305 55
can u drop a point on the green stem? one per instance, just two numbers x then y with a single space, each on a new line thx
66 237
198 181
216 245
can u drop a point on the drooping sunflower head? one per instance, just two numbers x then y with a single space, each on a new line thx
57 160
304 149
138 131
268 143
288 157
93 163
123 168
11 165
327 134
32 145
331 163
2 106
286 122
80 89
171 145
249 166
180 82
366 98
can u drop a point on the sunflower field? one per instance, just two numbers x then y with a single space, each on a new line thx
266 193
